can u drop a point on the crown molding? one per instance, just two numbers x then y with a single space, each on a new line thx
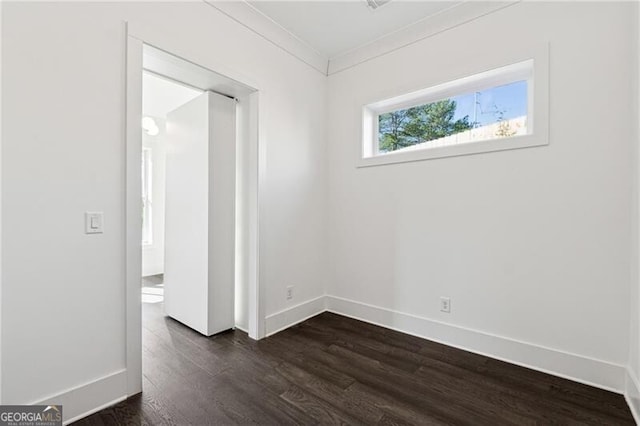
248 16
427 27
254 20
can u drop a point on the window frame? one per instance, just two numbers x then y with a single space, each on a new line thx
147 195
532 67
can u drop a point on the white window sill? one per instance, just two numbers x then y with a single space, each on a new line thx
470 148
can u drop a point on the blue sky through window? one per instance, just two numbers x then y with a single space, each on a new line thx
510 99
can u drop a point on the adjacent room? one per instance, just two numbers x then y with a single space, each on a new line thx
160 97
320 212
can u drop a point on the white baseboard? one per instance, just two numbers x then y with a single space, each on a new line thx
293 315
632 395
242 328
593 372
91 397
152 270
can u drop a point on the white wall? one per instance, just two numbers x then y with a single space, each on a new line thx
531 245
63 153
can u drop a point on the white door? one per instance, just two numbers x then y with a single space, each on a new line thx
200 213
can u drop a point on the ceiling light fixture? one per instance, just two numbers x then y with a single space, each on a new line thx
374 4
149 125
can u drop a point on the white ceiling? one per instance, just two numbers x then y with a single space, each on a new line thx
160 95
335 27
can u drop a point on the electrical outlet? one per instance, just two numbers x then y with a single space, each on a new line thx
290 292
445 304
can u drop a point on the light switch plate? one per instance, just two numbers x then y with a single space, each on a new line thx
93 223
445 304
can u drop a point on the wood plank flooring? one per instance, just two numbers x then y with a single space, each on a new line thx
334 370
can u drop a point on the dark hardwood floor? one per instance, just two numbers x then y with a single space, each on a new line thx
334 370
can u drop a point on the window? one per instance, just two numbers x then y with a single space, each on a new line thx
147 205
489 111
496 112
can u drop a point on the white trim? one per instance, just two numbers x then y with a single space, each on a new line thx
589 371
133 219
243 329
84 400
257 179
288 317
632 385
496 69
257 22
470 148
164 43
249 165
431 25
632 394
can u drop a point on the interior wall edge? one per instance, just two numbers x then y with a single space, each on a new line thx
634 332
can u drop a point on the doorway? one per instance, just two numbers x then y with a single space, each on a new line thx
146 195
160 96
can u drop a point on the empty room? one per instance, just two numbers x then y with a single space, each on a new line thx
230 212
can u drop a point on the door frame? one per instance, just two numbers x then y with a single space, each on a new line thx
254 175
